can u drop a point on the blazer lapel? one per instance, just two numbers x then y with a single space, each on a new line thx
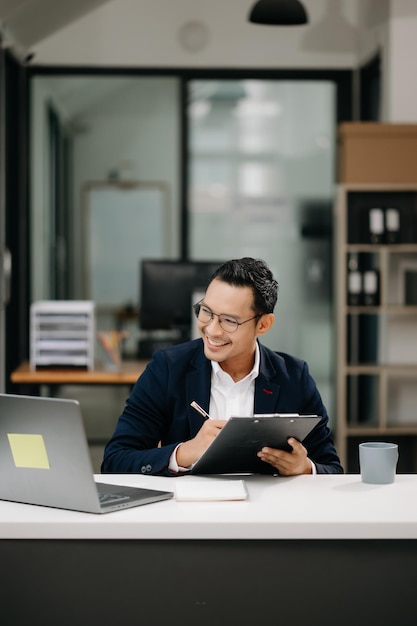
198 389
266 395
266 389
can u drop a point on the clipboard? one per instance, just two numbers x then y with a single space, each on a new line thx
234 449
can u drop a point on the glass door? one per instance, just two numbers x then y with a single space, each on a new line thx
261 171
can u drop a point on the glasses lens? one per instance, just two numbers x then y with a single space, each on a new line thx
203 313
228 323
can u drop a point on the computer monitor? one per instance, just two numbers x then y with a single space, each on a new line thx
166 293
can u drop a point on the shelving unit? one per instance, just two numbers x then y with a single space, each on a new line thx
376 342
62 333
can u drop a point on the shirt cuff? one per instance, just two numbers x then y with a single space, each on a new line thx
313 467
173 465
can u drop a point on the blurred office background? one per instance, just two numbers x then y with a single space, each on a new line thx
260 158
179 130
260 161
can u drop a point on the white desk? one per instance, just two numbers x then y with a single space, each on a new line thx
351 557
304 507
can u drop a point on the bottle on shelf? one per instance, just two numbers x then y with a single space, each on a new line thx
354 281
376 226
371 287
392 225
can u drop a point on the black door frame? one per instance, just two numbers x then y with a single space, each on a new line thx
16 152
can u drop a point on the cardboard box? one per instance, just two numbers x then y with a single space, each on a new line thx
370 152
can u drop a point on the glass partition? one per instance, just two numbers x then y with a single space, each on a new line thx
113 199
261 159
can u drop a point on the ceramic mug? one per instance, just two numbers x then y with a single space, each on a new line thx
378 462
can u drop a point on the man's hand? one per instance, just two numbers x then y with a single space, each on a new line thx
288 463
190 451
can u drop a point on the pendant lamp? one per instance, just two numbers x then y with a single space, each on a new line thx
278 13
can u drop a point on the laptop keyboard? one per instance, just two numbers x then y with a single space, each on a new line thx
110 498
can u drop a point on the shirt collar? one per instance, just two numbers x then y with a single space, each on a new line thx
217 370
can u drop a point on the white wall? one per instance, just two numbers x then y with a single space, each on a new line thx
400 67
390 26
144 33
340 34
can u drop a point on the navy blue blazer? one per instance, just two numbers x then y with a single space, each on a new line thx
158 409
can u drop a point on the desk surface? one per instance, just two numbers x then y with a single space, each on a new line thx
127 375
302 507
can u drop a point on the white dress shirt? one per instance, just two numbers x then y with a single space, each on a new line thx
228 398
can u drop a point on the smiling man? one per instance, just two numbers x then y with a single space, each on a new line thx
227 372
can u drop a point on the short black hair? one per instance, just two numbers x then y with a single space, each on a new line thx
254 273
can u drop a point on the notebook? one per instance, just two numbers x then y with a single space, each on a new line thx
45 459
210 490
235 448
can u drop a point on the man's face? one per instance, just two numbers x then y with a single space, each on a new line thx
236 302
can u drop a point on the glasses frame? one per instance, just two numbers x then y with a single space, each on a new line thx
197 308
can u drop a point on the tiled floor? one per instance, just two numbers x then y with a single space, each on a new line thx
101 407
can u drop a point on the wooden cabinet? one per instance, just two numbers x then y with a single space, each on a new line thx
377 153
376 312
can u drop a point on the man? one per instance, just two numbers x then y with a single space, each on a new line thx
227 372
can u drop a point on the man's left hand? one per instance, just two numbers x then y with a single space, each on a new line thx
288 463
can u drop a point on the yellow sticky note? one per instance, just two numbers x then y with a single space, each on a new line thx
28 451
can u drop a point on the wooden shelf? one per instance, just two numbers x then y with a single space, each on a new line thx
400 369
390 309
358 431
376 382
391 248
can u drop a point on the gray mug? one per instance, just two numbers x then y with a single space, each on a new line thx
378 462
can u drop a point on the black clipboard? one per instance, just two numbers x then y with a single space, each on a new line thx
234 449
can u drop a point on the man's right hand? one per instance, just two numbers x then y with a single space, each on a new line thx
190 451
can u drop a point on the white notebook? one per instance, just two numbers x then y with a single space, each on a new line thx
210 490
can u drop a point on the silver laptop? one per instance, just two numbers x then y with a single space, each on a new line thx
45 460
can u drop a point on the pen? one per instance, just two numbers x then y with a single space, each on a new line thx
198 408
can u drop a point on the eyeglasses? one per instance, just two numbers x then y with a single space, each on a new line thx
228 323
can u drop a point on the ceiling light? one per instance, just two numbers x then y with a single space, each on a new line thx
278 13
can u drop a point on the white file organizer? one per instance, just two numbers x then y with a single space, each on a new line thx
62 333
